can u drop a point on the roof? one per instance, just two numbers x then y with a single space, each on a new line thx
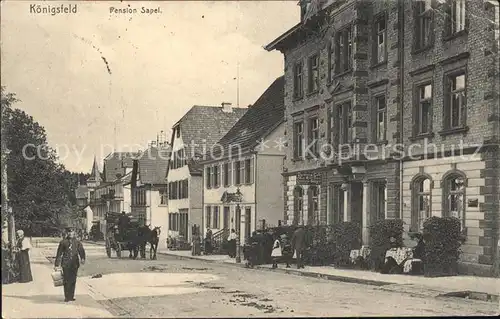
202 127
260 120
313 15
115 164
153 165
95 175
81 191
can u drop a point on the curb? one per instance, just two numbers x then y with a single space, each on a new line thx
291 272
482 296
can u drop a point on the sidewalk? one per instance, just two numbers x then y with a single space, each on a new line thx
40 298
402 283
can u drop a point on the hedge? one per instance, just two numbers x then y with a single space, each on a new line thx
380 234
442 236
346 236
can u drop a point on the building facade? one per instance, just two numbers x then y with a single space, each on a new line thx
193 136
106 190
242 186
148 189
373 86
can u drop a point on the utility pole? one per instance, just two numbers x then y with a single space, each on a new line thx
238 84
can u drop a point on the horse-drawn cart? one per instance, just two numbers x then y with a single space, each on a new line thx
118 239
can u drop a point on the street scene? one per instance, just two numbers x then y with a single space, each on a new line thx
171 287
308 158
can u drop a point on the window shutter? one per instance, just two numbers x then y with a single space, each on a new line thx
466 15
230 173
223 174
187 188
463 106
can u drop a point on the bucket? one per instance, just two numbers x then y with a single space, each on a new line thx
57 277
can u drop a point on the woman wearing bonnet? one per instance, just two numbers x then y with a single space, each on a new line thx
23 246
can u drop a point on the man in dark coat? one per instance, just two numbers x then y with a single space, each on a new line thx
69 254
299 244
123 223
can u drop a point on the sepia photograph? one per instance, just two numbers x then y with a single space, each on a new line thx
252 158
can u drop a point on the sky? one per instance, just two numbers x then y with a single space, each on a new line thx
160 65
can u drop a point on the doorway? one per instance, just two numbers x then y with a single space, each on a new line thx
357 204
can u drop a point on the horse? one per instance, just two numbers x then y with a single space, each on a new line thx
151 236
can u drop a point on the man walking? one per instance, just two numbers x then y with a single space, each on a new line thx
69 254
299 244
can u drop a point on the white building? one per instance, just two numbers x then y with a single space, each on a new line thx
193 135
243 180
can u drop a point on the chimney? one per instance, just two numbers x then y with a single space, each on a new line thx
227 107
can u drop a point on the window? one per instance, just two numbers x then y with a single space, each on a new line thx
313 76
454 197
456 17
298 80
163 197
455 103
343 43
381 118
344 133
216 176
331 125
313 136
423 24
208 216
379 193
298 205
178 132
249 171
227 174
237 173
298 140
336 204
208 176
226 217
423 116
248 222
380 41
241 171
313 205
421 209
216 217
331 62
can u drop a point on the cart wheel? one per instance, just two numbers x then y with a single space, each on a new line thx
108 248
119 250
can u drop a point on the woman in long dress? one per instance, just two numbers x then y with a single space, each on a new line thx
23 257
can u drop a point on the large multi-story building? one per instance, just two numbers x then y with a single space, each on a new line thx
377 95
242 182
193 137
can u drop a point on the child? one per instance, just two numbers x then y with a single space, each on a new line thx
276 253
286 250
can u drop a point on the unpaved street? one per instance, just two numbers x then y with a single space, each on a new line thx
169 287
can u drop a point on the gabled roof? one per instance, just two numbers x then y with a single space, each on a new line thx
115 164
153 164
260 120
203 126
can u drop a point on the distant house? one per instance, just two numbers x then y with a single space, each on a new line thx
243 179
148 189
192 136
106 191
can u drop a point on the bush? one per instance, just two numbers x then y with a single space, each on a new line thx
345 237
380 233
443 238
320 251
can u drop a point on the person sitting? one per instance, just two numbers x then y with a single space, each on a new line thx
123 223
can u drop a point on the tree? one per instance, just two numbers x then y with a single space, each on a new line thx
41 190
